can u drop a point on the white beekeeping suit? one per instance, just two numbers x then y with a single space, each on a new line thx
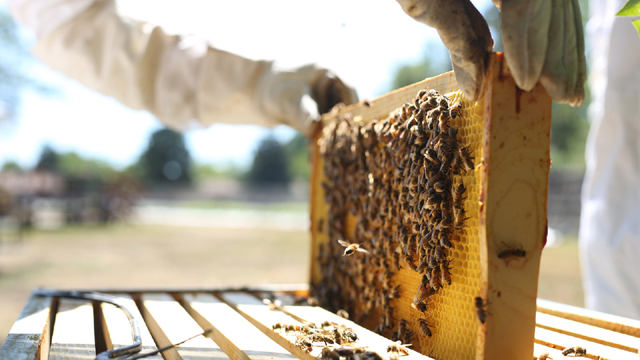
610 219
181 80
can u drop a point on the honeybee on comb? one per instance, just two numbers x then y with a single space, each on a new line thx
481 309
396 176
425 328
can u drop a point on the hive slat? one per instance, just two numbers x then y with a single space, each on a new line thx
588 332
236 336
117 329
28 338
602 320
73 331
541 349
594 350
169 323
366 337
256 312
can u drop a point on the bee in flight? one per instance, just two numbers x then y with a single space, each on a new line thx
351 248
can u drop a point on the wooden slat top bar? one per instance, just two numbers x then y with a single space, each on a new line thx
243 330
234 334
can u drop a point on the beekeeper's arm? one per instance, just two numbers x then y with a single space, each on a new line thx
182 81
542 39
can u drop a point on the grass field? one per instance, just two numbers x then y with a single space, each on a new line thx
127 256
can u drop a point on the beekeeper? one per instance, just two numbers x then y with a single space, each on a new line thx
610 218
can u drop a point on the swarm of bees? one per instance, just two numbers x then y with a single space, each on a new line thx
337 340
397 178
309 335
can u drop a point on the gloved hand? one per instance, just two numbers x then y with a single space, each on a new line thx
298 98
542 39
182 80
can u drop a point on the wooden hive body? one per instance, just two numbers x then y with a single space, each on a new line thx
508 133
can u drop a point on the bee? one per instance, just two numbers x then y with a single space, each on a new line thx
404 334
459 214
456 164
511 254
411 263
343 314
351 249
439 253
576 350
348 333
442 122
395 293
277 326
435 279
326 324
544 356
444 240
418 305
458 196
439 186
291 328
304 343
320 225
467 160
445 272
398 348
425 327
396 260
432 156
481 309
366 103
311 301
329 354
422 267
455 110
370 355
424 291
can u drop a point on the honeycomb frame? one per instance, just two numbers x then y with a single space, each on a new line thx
495 128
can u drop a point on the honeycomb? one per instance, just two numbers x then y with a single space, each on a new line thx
451 311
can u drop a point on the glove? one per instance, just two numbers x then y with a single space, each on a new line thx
183 81
299 98
542 39
464 32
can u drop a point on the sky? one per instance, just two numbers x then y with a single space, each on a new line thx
363 41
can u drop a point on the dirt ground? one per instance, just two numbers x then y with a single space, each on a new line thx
128 256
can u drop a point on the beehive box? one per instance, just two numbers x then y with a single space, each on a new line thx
362 183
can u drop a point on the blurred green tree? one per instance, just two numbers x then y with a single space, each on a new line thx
49 160
11 166
435 62
270 165
166 161
74 165
298 157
